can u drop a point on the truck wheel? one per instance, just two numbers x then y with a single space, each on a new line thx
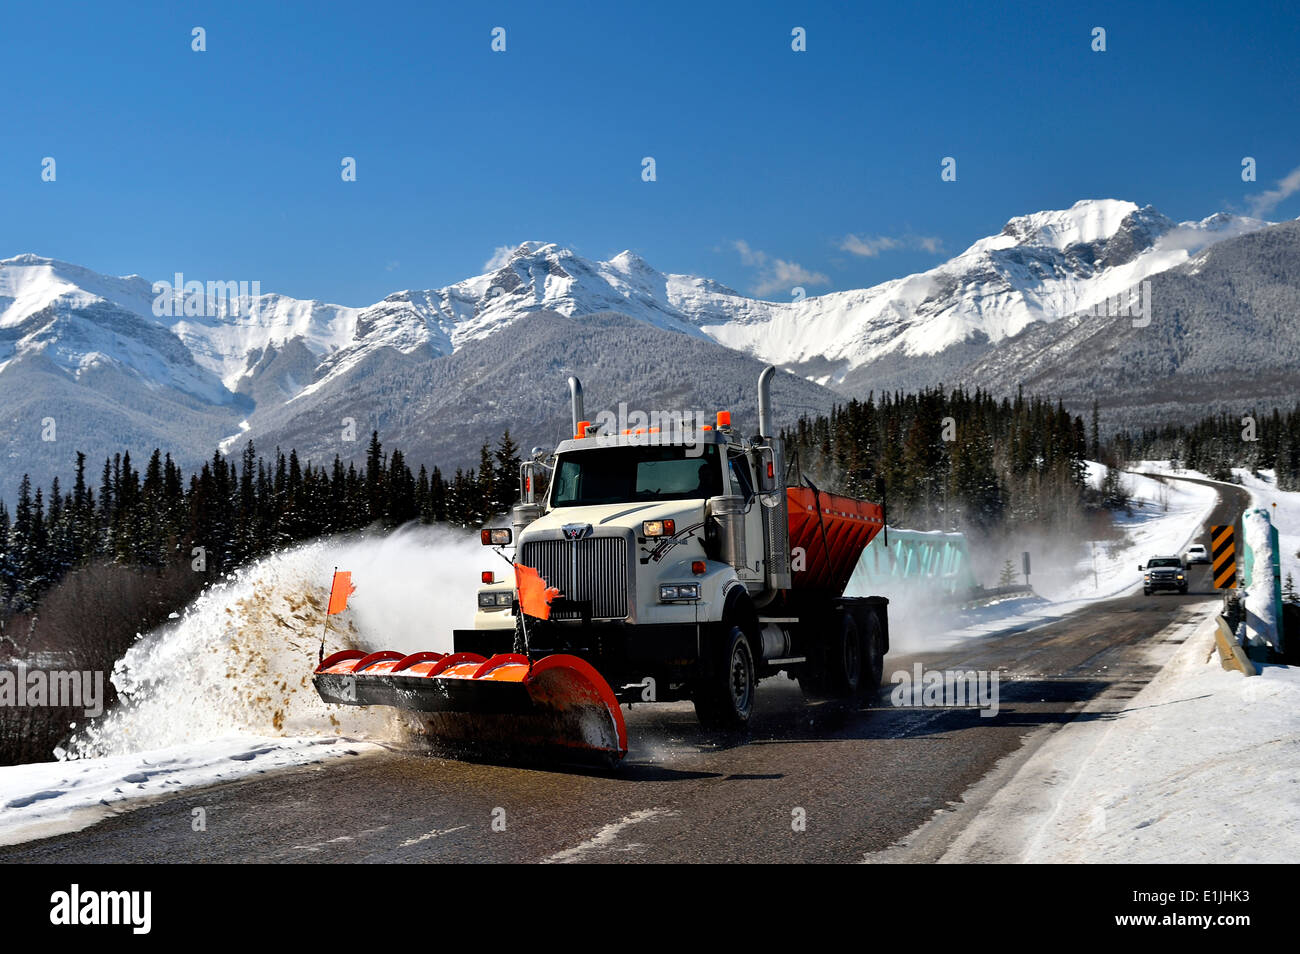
725 699
844 659
853 662
856 662
873 657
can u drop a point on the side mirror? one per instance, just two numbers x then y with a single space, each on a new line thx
1141 567
527 485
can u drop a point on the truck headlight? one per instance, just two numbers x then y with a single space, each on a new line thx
670 592
505 599
495 538
487 599
658 528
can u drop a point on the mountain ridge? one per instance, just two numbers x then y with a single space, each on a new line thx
248 366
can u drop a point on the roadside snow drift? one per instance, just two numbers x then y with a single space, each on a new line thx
1200 766
225 690
53 798
240 659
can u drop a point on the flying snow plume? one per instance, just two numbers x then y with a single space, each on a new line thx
239 660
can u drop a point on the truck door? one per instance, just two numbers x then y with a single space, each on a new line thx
741 478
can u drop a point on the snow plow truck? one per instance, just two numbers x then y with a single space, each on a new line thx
649 565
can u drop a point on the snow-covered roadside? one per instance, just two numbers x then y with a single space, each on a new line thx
1200 766
54 798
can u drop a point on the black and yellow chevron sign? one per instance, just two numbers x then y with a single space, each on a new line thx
1223 556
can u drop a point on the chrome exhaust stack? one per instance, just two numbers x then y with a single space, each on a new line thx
575 403
764 401
776 517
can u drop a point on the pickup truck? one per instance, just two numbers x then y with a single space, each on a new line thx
1163 573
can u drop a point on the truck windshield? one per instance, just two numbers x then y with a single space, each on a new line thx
1165 561
635 474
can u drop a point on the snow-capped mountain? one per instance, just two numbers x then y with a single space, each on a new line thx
225 366
78 319
1040 267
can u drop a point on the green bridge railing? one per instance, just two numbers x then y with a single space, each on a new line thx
921 560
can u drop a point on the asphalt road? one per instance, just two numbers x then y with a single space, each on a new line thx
860 781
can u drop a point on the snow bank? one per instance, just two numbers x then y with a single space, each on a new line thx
1284 511
240 659
1262 599
1200 766
54 798
225 690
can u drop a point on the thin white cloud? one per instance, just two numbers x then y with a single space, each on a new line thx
500 256
776 274
871 246
1265 202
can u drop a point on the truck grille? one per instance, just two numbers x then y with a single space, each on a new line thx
601 572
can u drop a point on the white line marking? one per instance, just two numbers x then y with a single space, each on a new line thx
605 838
436 833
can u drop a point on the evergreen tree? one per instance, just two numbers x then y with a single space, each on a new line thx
507 473
374 478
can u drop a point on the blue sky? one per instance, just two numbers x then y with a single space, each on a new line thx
225 164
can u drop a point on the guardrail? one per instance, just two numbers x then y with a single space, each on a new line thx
929 560
1231 654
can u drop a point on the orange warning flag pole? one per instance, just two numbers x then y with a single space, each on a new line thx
340 589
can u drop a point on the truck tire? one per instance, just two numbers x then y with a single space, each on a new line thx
852 662
844 659
873 659
724 699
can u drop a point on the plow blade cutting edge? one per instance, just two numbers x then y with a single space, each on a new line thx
559 702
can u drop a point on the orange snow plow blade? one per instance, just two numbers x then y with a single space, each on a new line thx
558 703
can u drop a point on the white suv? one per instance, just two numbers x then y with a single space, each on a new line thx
1196 554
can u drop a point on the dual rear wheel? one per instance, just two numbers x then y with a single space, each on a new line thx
850 667
852 662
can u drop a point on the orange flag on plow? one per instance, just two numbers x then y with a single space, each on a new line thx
534 595
340 590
